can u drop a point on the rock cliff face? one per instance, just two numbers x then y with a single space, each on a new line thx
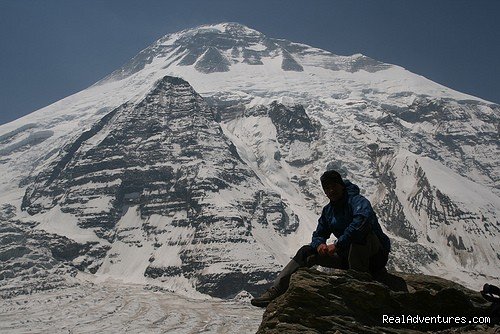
350 302
32 260
161 185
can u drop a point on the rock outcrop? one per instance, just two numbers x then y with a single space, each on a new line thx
160 183
351 302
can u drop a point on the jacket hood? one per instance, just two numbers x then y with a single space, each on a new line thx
351 188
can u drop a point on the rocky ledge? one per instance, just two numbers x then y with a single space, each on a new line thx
351 302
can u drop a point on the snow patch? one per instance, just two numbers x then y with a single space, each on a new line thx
64 224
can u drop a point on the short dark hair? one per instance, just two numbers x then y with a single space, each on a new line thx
330 177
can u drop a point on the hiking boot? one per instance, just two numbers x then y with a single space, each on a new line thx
279 287
271 294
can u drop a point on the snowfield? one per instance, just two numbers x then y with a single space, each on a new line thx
120 308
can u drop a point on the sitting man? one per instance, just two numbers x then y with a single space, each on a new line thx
361 244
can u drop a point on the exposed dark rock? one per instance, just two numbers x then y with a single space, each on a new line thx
367 64
251 57
212 61
155 272
351 302
164 157
27 260
7 211
268 209
290 64
229 285
411 256
292 123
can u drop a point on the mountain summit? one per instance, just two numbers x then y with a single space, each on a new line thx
220 48
195 166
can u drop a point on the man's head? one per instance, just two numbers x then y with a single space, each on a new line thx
333 185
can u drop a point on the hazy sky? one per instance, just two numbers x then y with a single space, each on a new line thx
53 48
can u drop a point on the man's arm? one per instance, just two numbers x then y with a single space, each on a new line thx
322 232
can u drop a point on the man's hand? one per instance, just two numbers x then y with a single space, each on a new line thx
331 249
322 250
326 250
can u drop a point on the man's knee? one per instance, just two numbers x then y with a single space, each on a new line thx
303 253
306 249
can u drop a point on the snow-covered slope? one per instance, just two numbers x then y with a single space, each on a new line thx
112 307
158 184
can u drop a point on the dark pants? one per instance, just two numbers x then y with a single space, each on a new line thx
368 257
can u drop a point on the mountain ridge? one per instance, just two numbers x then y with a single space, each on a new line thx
392 132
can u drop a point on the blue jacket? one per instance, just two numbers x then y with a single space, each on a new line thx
351 221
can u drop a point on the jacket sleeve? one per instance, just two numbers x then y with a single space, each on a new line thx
322 232
360 226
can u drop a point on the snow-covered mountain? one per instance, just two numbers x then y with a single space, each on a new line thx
195 166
